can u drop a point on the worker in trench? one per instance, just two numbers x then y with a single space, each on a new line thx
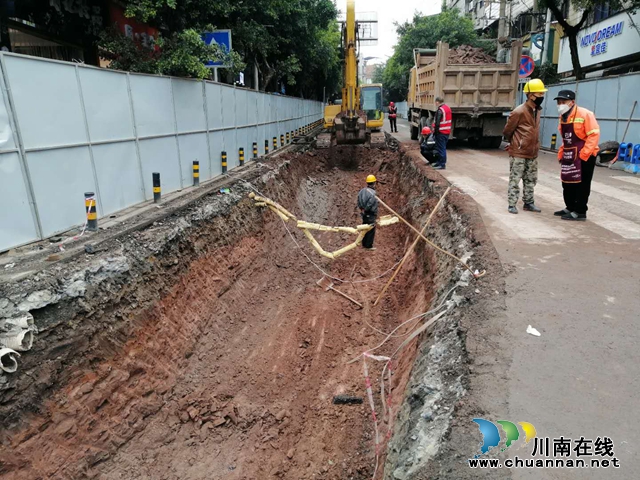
368 205
522 131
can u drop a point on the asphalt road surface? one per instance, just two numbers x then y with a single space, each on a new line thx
578 283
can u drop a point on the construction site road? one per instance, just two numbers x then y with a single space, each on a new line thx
577 284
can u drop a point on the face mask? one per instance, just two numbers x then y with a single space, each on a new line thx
563 108
538 101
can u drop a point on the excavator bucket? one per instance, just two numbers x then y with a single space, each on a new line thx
351 130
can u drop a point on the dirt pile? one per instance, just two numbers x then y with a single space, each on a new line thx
210 352
468 55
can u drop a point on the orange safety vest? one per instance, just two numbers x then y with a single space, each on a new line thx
447 120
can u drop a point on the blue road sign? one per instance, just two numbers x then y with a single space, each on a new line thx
222 38
526 66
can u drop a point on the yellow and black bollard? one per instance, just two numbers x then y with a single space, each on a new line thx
157 194
292 136
281 140
241 156
275 143
287 138
554 139
266 147
224 162
196 173
91 211
255 150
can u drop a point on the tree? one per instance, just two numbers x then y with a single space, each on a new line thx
291 42
378 73
181 54
424 32
571 31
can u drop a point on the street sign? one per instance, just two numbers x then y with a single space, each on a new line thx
526 66
522 80
220 37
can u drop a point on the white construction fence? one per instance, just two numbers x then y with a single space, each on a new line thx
67 129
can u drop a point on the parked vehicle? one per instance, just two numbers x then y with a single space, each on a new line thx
480 95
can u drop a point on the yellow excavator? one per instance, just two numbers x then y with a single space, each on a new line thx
359 117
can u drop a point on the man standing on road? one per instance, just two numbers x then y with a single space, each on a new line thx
441 132
577 155
368 205
522 131
393 114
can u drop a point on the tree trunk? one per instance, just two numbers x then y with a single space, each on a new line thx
575 59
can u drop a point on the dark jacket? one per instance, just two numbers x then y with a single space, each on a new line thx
368 201
523 131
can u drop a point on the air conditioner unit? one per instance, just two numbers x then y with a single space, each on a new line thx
471 6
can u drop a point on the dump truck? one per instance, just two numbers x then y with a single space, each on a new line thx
480 95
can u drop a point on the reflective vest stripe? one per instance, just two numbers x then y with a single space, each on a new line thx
445 123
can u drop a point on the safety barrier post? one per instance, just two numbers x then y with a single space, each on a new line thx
241 156
281 140
275 143
224 162
554 139
255 150
90 209
266 147
287 138
157 194
196 173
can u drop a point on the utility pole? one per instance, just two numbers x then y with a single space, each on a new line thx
547 34
502 30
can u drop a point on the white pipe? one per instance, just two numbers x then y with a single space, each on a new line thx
8 362
21 340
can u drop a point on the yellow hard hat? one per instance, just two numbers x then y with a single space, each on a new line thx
371 179
534 85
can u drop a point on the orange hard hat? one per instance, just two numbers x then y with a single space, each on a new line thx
426 131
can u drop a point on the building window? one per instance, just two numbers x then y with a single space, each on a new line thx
602 12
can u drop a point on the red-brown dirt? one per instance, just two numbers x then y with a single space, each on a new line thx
232 373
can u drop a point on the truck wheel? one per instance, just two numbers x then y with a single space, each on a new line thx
495 142
414 133
474 142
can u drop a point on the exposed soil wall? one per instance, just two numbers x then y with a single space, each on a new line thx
201 347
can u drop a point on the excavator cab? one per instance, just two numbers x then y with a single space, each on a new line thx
371 101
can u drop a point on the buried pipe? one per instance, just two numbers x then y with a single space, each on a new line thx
8 362
21 340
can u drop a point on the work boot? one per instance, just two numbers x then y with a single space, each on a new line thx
439 167
371 249
531 207
513 210
562 212
580 217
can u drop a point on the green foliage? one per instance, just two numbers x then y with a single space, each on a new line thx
424 32
182 54
378 74
295 42
548 73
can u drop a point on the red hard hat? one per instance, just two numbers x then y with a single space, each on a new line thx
426 131
392 104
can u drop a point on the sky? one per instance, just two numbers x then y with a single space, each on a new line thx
389 11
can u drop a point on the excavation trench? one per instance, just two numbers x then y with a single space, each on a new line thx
202 348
